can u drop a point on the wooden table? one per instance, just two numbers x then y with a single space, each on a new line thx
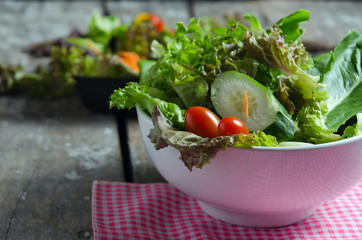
52 151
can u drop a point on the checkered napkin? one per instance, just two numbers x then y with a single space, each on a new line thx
159 211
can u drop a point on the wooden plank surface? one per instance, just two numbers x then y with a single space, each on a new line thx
50 153
143 170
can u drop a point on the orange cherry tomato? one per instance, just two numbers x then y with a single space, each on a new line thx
201 121
229 126
157 22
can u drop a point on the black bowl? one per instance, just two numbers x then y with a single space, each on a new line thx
95 93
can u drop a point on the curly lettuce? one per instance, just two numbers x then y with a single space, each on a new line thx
134 94
290 59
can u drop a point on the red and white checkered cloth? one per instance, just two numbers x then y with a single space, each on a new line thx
159 211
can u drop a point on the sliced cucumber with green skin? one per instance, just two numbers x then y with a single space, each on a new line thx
265 111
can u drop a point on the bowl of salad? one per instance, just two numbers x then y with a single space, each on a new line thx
118 50
94 63
247 122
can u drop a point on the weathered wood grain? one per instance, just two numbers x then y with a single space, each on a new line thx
143 170
50 153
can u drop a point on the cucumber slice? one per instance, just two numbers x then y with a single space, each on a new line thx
265 111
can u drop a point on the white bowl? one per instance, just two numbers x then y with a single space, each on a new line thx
263 186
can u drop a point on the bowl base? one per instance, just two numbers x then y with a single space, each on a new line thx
259 220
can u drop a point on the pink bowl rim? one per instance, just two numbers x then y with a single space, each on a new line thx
286 148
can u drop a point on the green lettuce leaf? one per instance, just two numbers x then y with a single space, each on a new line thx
268 76
180 68
9 76
289 58
56 79
290 25
343 77
284 94
102 28
134 94
311 122
355 129
255 25
145 67
320 64
86 43
257 138
246 66
157 49
193 91
359 124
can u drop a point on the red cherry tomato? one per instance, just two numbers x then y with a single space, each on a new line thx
157 22
201 121
229 126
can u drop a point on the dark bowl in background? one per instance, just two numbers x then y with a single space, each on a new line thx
95 93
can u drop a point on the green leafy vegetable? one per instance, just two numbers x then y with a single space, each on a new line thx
101 30
107 35
257 138
56 79
290 25
145 66
9 76
255 25
311 119
136 94
343 77
289 58
87 43
355 129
